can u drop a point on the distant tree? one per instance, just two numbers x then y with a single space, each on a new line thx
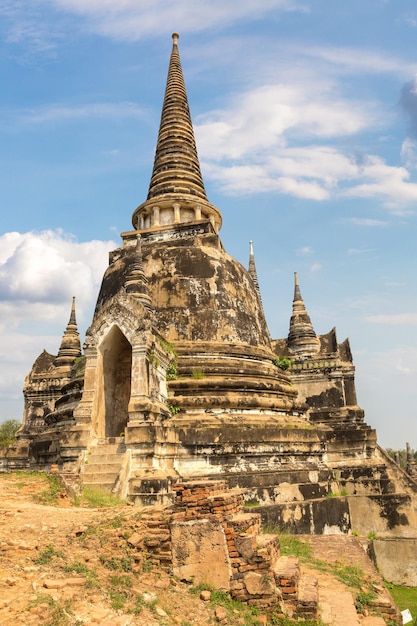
402 455
8 430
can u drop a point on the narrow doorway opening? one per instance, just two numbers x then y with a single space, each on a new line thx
117 376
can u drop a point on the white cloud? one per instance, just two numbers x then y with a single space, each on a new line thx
360 60
270 115
132 20
48 267
305 250
390 183
24 26
64 112
364 221
355 251
398 319
253 146
409 153
39 274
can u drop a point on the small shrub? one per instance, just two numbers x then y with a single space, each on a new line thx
283 362
363 601
77 567
79 365
172 371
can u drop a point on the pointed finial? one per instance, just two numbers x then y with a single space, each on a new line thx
253 274
302 339
70 347
176 189
72 319
297 292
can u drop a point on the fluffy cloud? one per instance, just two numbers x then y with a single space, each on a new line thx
39 274
270 115
49 267
287 139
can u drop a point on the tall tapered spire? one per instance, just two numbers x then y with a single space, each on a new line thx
302 339
176 191
70 347
253 272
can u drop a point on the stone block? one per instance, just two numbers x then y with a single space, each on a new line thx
199 553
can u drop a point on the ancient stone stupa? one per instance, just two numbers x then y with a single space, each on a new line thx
181 379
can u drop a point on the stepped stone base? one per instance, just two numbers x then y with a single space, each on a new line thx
103 464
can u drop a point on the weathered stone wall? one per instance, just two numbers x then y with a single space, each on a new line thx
396 559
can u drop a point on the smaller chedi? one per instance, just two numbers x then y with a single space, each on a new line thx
45 382
180 378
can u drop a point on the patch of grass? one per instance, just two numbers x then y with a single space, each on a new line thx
50 495
41 598
147 564
119 593
138 603
95 497
118 599
77 567
197 374
47 555
350 575
251 503
337 494
363 601
61 616
58 614
117 521
404 597
81 568
124 564
290 545
233 607
120 580
287 621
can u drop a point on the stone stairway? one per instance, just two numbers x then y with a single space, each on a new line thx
103 463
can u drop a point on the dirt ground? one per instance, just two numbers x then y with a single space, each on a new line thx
66 565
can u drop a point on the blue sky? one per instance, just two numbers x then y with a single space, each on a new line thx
305 115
